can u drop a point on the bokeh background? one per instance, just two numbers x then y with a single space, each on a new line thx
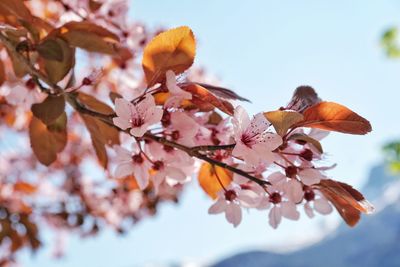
263 50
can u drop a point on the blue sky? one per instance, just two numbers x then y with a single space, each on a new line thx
264 50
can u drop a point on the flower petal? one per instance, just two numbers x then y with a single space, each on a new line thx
218 206
233 214
275 217
289 211
322 206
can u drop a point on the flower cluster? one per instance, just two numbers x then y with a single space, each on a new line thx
136 123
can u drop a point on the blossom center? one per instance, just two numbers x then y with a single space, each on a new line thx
158 165
137 159
137 121
230 195
275 198
291 171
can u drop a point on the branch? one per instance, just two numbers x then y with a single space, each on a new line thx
74 102
28 66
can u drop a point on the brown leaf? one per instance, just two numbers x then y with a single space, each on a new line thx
50 109
94 104
19 67
348 201
98 141
334 117
13 11
208 179
308 139
223 92
203 97
48 140
174 50
89 36
55 69
50 49
303 98
101 133
283 120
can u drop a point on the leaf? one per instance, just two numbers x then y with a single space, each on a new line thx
50 49
100 132
308 139
223 92
18 65
303 98
203 98
283 120
89 36
174 50
2 73
57 70
25 188
208 179
93 104
12 11
50 109
348 201
334 117
98 141
48 141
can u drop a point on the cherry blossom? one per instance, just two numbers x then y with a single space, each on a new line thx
253 143
283 196
25 96
132 163
184 127
136 117
316 201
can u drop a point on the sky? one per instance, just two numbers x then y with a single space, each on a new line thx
263 50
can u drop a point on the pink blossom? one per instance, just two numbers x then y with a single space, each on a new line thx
166 171
25 96
138 117
316 201
185 128
177 94
231 201
135 164
283 195
253 143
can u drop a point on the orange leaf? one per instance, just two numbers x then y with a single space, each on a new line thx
48 140
348 201
25 187
202 96
209 176
174 50
223 92
334 117
282 120
308 139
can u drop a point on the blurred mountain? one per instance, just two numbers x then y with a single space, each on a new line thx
374 242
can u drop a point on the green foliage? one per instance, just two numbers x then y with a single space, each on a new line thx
390 42
392 155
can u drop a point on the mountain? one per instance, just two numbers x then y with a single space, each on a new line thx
374 242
